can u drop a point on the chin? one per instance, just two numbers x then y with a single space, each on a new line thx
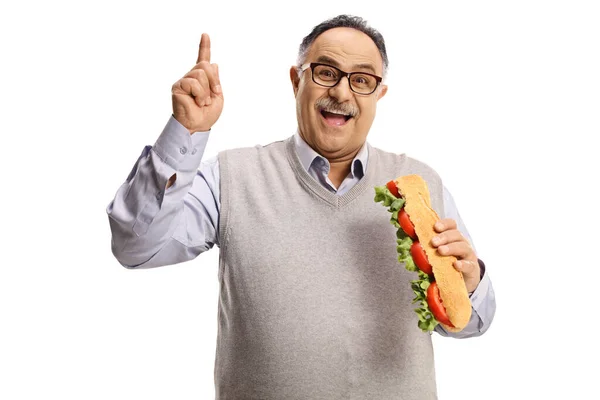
332 141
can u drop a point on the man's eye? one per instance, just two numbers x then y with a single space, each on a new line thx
328 74
362 80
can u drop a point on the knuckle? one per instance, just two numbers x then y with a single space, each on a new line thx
177 86
193 73
200 74
203 65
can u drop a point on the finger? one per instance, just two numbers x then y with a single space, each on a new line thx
189 86
452 235
456 249
467 267
185 102
201 76
204 50
444 224
218 89
213 78
193 88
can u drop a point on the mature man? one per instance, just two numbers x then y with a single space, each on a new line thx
313 303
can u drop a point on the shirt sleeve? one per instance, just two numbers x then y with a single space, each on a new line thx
153 226
483 299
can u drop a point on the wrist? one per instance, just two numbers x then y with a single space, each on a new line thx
472 286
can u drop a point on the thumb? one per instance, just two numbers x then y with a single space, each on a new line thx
467 267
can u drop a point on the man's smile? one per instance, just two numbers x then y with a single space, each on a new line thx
335 118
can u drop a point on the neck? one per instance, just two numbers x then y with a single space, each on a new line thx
340 168
339 165
338 171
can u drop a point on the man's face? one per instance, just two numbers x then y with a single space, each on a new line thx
334 137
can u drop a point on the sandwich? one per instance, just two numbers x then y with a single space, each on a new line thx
439 288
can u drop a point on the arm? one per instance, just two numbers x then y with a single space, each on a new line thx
167 211
483 300
154 225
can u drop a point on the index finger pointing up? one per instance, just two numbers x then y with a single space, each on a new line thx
204 51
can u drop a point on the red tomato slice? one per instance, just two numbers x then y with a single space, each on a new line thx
406 225
435 305
420 258
391 185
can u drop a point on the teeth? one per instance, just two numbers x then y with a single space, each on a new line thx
338 113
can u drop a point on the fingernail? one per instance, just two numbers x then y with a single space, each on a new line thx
439 226
218 89
443 249
435 241
458 265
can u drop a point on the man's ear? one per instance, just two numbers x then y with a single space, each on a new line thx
382 91
295 78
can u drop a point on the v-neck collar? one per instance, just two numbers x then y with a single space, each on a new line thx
311 184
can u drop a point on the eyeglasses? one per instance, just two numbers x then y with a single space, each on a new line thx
329 76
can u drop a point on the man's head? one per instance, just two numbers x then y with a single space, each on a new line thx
335 120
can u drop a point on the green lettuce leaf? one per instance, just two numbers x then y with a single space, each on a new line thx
394 204
383 194
403 249
427 322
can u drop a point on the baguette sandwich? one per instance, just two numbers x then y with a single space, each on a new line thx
440 288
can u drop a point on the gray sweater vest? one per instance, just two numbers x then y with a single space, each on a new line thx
313 302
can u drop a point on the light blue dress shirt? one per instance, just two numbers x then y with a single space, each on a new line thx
152 226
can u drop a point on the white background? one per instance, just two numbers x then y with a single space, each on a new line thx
501 98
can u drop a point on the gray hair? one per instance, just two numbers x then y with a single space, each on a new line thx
344 21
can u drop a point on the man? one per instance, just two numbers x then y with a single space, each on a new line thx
313 303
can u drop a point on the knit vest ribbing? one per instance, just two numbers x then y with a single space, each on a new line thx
313 302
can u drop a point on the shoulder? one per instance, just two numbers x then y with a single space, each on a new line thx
407 162
258 148
247 159
254 153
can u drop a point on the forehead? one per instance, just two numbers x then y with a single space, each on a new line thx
349 47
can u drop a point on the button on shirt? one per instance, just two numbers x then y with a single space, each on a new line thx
150 228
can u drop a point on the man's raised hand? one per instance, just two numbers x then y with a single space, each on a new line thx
197 97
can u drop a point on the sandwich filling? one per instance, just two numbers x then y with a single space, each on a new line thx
427 321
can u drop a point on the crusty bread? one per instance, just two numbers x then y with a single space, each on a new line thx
453 290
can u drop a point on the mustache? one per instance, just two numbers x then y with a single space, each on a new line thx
330 105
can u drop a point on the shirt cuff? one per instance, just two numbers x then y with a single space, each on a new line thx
177 148
481 290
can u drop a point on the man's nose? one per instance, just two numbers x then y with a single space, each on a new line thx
341 92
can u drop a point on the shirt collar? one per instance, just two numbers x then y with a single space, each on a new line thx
307 156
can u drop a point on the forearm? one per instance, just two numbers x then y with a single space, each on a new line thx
146 214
